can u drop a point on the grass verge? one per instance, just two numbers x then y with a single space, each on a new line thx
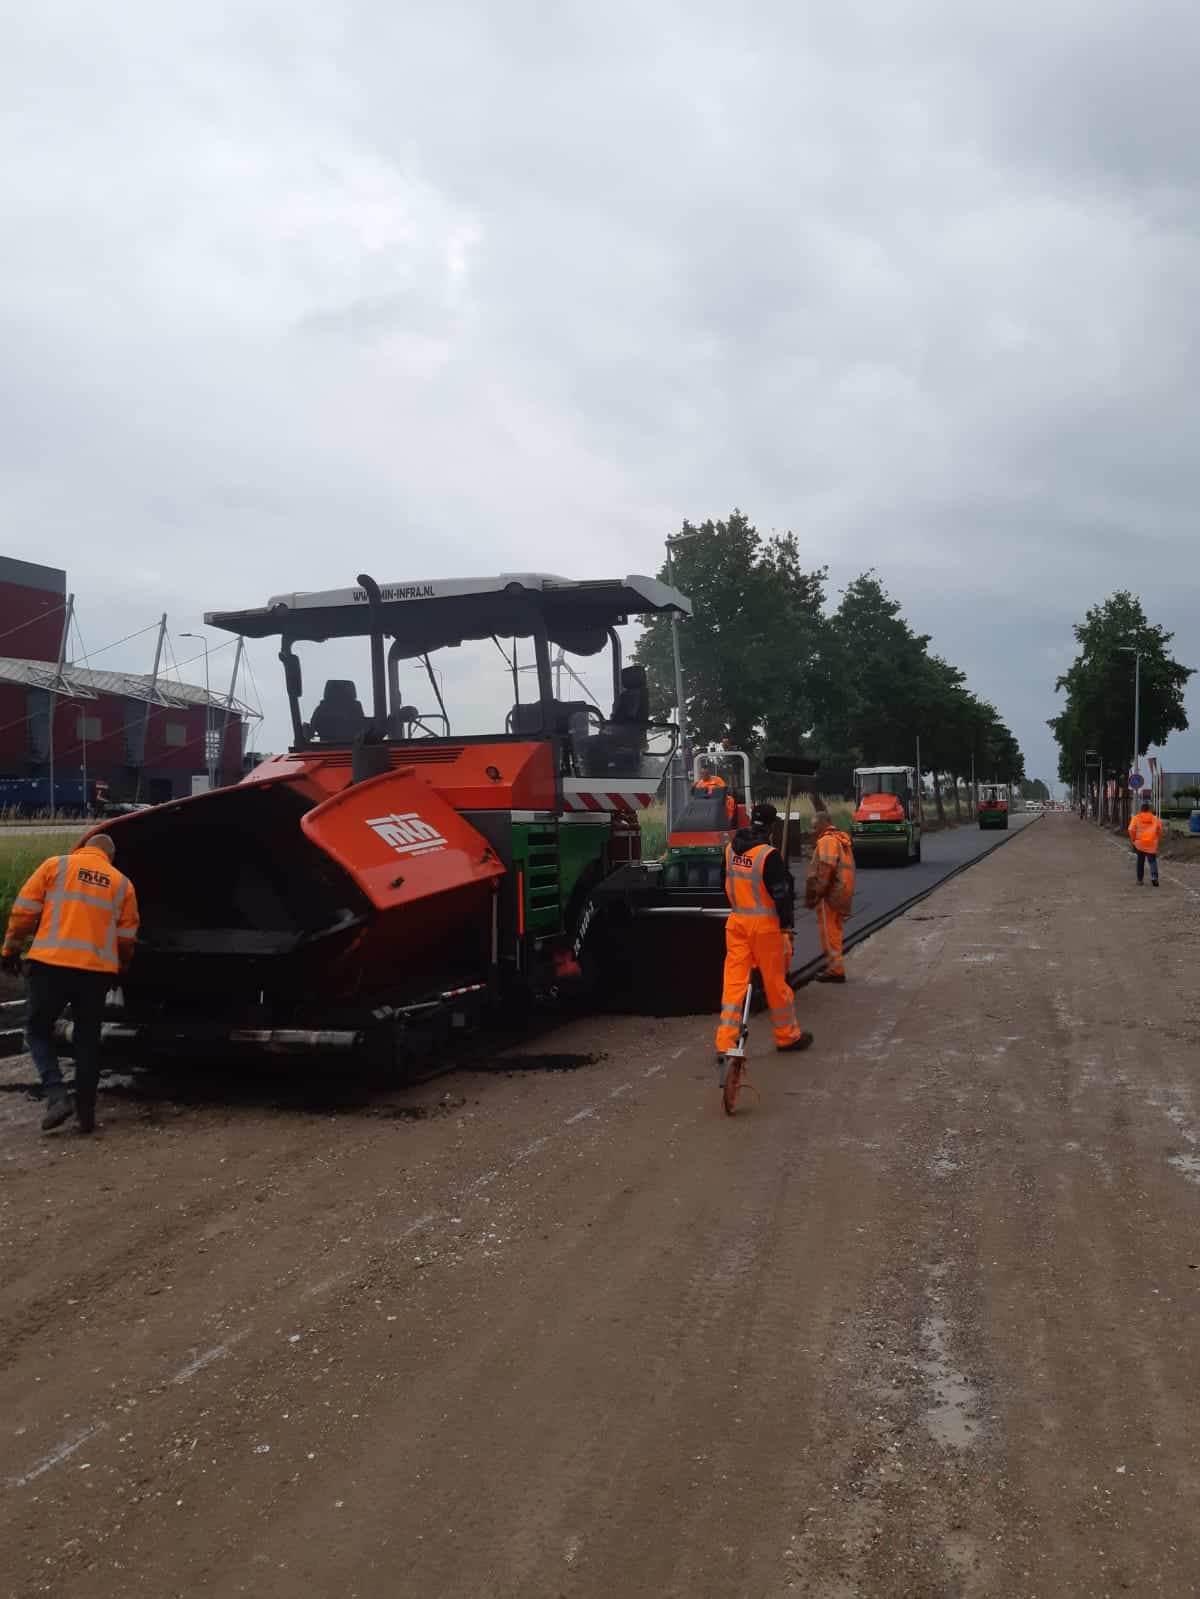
20 852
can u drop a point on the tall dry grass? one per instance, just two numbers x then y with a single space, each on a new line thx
654 819
654 830
804 809
22 849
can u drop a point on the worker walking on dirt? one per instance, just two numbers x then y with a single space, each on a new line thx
82 917
758 933
829 890
1146 831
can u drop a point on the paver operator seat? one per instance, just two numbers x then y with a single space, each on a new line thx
339 718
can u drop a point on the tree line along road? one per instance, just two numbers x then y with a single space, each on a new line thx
919 1322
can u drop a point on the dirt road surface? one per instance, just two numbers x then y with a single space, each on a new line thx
922 1322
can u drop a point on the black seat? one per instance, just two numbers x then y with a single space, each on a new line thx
527 719
705 813
624 734
339 718
632 705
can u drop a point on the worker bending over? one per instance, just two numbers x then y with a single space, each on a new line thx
761 898
82 916
829 890
1146 831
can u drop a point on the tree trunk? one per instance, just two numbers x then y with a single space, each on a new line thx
937 799
957 802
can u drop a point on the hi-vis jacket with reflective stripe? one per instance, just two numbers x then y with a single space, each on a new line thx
81 912
747 893
831 872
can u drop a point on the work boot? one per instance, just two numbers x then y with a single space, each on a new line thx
802 1042
85 1111
58 1108
831 977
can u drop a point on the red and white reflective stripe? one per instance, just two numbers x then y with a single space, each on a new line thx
606 802
471 988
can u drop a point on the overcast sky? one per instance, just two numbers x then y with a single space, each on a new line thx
293 290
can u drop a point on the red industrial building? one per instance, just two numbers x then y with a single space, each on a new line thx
139 737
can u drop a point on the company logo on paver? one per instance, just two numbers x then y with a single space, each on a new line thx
397 591
407 834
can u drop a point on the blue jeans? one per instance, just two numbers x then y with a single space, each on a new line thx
49 990
1143 857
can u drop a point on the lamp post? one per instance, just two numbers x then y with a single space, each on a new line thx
679 764
680 710
208 756
1132 649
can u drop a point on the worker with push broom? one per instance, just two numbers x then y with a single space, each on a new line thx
761 895
829 890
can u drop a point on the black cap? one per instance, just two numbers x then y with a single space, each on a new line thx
764 814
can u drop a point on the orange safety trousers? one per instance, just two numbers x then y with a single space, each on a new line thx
829 925
752 941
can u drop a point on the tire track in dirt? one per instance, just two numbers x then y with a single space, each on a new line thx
919 1323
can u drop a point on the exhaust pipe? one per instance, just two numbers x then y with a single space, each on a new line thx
378 666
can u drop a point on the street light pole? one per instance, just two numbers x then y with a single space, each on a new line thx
680 709
1132 649
208 760
679 764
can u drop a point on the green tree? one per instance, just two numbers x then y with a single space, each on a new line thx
876 712
751 651
1004 762
1035 789
1099 686
943 712
972 743
764 665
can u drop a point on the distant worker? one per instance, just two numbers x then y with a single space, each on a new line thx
710 782
758 933
1146 831
829 890
82 916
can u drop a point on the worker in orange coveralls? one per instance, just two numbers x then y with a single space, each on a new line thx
1146 831
761 896
829 890
709 782
82 917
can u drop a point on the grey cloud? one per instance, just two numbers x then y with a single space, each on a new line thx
291 290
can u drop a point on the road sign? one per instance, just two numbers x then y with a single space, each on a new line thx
1136 780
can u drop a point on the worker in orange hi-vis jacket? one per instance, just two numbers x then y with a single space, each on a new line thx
82 917
761 895
829 890
1146 831
709 782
